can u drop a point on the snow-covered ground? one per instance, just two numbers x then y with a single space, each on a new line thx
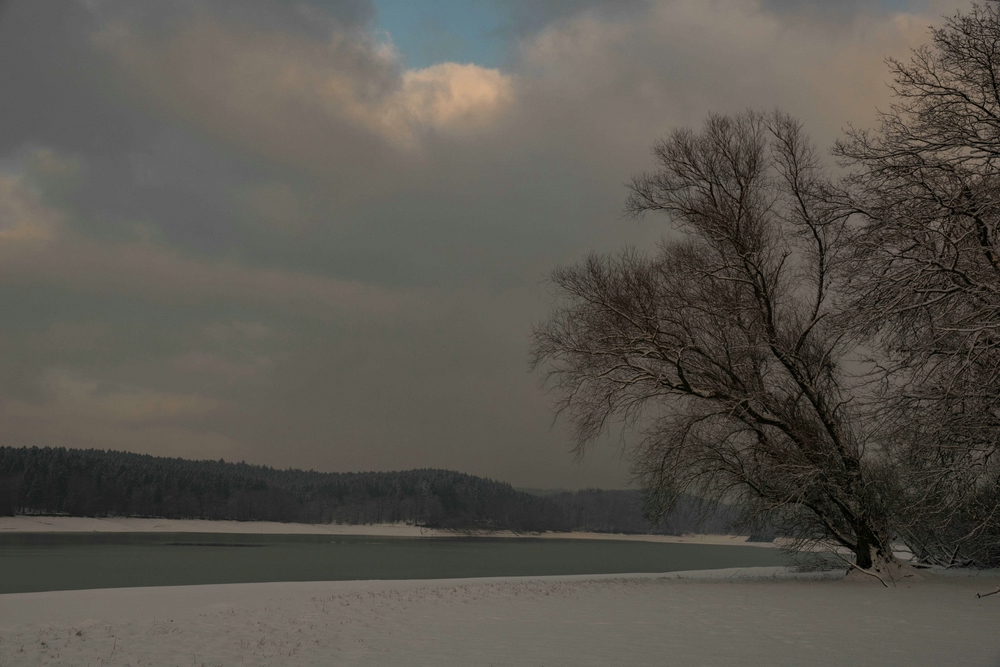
684 619
66 524
76 524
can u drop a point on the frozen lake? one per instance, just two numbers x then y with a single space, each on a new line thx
51 562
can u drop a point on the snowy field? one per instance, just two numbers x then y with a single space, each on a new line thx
736 617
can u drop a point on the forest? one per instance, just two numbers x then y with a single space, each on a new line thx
96 483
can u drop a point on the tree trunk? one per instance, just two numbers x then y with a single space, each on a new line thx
870 548
863 552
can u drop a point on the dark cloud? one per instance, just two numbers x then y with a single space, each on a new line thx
54 89
314 18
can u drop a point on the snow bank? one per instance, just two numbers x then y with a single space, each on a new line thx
74 524
67 524
764 616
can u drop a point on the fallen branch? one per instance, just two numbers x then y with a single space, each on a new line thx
851 565
872 574
983 595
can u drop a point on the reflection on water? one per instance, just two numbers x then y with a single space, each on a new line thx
47 562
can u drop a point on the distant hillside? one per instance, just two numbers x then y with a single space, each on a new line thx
105 483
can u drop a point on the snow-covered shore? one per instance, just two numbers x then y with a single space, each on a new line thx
66 524
707 618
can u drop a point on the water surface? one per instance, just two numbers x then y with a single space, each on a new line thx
31 562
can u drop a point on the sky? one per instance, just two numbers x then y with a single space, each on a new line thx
316 234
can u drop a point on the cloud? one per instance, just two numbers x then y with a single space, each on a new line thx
215 367
71 396
24 218
45 163
39 247
279 205
842 9
530 16
449 95
72 409
237 331
244 80
73 336
684 58
154 273
40 428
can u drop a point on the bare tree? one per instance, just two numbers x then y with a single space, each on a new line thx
927 282
718 350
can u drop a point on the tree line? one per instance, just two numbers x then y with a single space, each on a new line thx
821 351
97 483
